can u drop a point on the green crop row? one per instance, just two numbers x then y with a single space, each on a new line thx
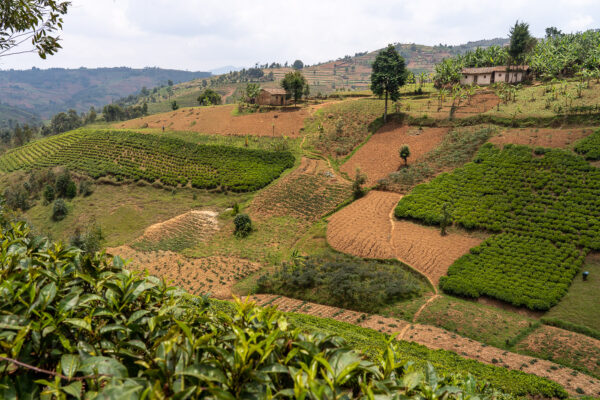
589 147
549 205
136 156
372 342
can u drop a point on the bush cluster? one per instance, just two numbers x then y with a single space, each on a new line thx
136 156
550 201
82 326
342 281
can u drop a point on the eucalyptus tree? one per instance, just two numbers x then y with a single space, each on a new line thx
389 74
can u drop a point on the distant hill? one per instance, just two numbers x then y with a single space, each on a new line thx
45 92
10 115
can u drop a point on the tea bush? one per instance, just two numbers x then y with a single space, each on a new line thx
75 326
136 156
549 205
589 147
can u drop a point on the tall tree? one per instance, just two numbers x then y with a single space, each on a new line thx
521 42
294 84
31 20
389 74
298 64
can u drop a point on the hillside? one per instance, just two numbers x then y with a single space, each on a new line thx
350 73
10 115
47 92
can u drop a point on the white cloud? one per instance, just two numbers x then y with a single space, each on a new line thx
204 34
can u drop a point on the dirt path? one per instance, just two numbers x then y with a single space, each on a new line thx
367 228
437 338
427 303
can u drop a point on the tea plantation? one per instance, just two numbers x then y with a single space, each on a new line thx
130 155
589 147
546 207
82 326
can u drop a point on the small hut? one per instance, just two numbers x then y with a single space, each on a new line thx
488 75
272 97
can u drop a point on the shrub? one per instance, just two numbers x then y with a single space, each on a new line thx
49 194
62 184
243 225
59 210
17 197
357 183
85 188
342 281
71 191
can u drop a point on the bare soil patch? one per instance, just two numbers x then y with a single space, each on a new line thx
213 275
544 137
308 193
569 347
480 103
367 228
220 120
426 250
363 228
379 156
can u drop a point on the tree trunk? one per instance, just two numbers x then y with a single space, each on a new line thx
385 110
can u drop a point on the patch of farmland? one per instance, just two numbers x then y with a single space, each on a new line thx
589 147
308 193
210 275
545 209
181 232
220 120
135 156
542 137
366 228
379 156
437 338
569 348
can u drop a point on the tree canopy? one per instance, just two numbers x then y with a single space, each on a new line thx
389 74
209 97
294 84
298 64
521 42
31 20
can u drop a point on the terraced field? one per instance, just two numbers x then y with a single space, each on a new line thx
544 210
379 156
128 155
208 275
367 228
308 193
181 232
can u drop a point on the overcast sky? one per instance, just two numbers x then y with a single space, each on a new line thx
200 35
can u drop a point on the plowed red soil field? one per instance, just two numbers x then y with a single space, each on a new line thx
214 275
558 138
367 228
220 120
379 156
308 193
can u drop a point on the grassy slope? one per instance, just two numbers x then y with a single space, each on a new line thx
123 212
579 306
